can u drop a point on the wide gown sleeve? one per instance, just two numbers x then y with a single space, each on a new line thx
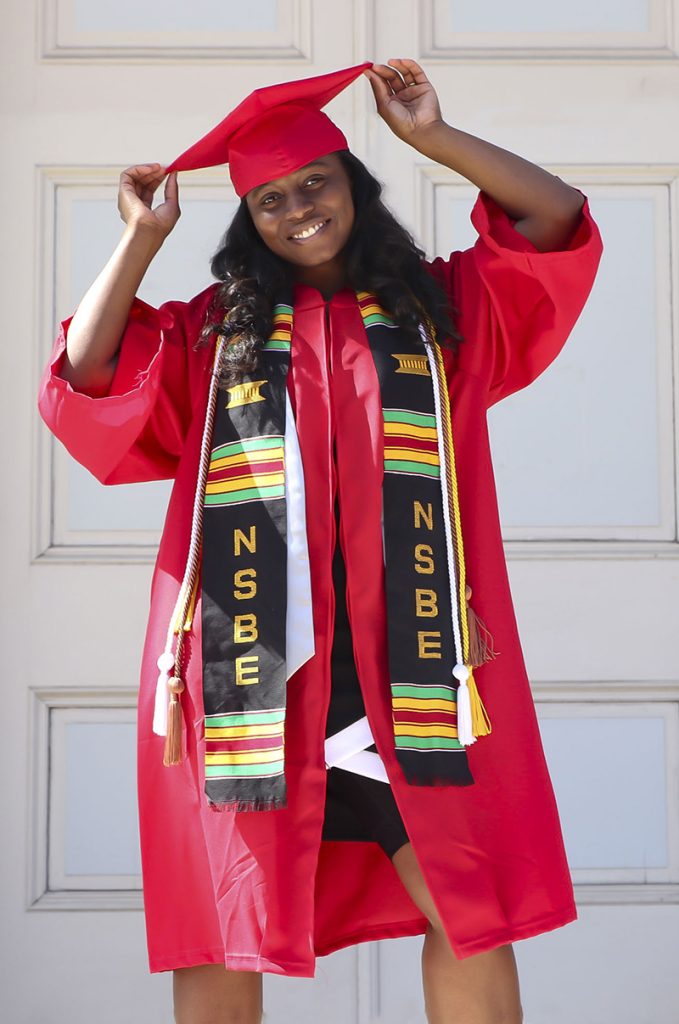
516 305
135 430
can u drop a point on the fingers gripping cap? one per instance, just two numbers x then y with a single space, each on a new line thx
274 131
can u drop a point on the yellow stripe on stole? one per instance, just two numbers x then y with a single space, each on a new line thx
252 750
237 483
424 730
238 731
243 757
408 455
409 430
245 458
420 704
372 307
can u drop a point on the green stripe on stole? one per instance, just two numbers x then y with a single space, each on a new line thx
252 718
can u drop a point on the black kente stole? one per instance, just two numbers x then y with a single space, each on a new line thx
244 565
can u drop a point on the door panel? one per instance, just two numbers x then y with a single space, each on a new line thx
585 462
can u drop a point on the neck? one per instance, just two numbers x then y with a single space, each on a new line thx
327 279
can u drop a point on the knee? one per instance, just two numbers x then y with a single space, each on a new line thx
210 994
437 939
513 1016
435 925
219 1015
508 1017
501 1017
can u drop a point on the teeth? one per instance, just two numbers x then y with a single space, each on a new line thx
310 231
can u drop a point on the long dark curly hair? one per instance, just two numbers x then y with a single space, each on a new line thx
381 257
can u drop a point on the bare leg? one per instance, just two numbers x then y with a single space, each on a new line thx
210 994
481 989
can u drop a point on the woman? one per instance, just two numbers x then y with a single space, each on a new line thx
462 845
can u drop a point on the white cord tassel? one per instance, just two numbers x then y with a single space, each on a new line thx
165 664
464 707
166 661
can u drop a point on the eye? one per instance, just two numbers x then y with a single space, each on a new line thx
268 198
314 179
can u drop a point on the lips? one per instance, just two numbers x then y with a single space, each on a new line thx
309 231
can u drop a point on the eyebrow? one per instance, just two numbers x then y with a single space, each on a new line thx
271 184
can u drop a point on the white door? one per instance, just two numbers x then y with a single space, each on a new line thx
585 461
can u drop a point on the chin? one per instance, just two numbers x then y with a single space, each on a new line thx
315 259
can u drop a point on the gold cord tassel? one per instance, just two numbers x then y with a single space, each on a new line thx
173 739
480 721
481 649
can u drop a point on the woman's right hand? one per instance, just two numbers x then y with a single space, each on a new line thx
99 322
135 196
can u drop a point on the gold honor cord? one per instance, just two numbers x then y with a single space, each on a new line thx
473 718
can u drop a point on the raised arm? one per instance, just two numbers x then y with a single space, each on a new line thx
545 208
99 321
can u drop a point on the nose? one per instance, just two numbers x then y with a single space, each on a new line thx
300 205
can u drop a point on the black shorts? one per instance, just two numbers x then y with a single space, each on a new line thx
356 808
362 809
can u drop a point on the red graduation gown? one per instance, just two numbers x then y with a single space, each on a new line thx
261 891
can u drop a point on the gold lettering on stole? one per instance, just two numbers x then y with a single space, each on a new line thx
245 626
410 363
245 629
247 664
240 538
421 515
426 604
245 394
426 601
247 586
424 559
429 643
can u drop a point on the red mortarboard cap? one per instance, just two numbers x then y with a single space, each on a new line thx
274 131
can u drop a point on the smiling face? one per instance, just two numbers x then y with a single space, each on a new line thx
306 218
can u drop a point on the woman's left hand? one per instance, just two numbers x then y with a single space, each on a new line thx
405 97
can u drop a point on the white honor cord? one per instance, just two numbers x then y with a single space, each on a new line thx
460 671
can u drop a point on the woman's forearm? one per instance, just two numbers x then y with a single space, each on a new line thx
546 209
99 322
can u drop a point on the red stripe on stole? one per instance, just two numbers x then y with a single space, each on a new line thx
415 444
245 469
424 717
281 322
254 743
